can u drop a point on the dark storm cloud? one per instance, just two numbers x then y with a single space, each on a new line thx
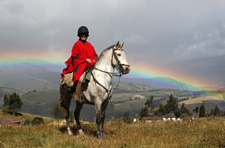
153 31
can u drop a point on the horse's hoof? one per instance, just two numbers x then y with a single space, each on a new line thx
100 136
70 133
80 132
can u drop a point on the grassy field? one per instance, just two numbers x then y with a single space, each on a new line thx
204 132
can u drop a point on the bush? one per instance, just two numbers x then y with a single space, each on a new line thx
37 121
177 113
27 122
126 118
185 117
5 109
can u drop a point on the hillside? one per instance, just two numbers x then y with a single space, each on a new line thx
26 116
41 102
125 99
203 132
38 86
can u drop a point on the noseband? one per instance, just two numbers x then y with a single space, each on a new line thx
120 66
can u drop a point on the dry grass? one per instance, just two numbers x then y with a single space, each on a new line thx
205 132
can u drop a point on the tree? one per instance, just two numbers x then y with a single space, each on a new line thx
202 111
183 109
6 100
12 103
149 103
144 112
196 109
126 117
148 109
211 112
56 112
161 110
171 105
6 104
216 111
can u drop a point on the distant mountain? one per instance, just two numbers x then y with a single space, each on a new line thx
161 82
41 75
209 69
28 77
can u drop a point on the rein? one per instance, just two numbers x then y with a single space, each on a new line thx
111 74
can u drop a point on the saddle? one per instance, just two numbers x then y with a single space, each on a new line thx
70 86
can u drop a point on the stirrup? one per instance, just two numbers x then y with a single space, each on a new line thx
68 89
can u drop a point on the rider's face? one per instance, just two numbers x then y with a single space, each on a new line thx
83 37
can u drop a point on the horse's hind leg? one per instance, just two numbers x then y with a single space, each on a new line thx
77 116
64 103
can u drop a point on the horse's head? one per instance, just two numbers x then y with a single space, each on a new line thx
119 59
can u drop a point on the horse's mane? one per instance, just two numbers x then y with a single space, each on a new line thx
103 53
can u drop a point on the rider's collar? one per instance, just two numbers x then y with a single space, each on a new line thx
83 41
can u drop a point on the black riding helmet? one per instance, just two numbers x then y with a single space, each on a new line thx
83 30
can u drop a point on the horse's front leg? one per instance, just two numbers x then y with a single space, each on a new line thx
68 126
77 116
104 106
100 117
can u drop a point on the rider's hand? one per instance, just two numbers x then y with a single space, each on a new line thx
89 61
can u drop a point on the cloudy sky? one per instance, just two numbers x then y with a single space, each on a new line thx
154 31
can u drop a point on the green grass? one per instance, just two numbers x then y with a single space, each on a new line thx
204 132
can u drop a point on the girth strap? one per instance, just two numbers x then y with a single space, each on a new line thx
99 83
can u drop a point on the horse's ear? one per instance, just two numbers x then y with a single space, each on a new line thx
121 45
117 44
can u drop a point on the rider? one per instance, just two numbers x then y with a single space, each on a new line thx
83 56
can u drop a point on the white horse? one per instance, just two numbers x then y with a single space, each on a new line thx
99 89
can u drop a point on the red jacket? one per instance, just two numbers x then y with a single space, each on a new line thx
77 62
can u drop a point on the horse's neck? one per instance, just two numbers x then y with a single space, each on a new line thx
105 62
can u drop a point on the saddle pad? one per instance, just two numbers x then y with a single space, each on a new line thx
68 79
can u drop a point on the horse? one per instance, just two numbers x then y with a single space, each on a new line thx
99 89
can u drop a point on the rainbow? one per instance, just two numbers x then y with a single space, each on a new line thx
10 63
138 70
141 70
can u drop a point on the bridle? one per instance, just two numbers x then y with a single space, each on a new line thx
111 74
119 67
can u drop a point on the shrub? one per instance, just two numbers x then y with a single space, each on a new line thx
37 121
185 117
27 122
177 113
126 118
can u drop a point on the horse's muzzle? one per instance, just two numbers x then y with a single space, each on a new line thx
126 69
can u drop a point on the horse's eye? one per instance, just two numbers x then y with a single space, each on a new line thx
119 54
